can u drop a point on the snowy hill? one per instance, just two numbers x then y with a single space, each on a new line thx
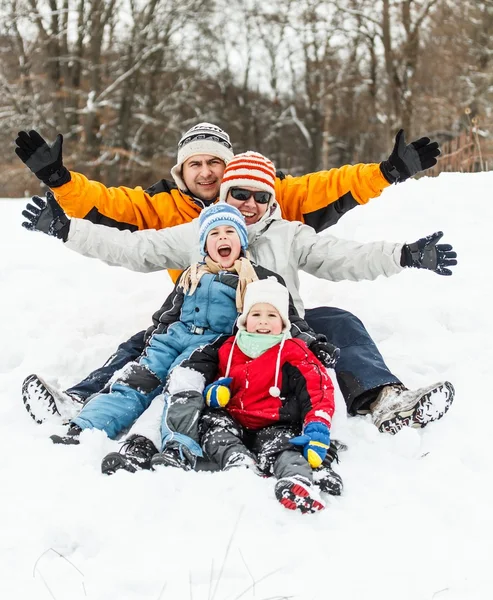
415 521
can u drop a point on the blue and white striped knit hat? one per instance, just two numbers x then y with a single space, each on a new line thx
221 214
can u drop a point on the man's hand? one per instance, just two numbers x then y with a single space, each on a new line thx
427 254
407 160
45 161
47 216
315 441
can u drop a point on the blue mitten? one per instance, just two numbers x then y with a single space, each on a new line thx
315 441
218 394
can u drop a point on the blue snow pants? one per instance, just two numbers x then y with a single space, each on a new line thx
140 381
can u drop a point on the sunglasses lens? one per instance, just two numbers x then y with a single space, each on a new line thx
244 195
239 194
262 197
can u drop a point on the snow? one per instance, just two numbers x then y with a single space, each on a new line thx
415 519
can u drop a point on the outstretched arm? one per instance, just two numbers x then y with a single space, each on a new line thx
145 251
79 197
320 199
336 259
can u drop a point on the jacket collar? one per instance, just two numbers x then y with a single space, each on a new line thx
273 213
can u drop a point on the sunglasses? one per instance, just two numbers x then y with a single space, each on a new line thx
244 195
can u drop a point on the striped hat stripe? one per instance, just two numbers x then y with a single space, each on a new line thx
245 167
241 163
246 177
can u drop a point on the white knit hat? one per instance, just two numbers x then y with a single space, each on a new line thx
268 291
249 169
204 138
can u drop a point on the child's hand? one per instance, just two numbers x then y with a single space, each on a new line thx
218 394
315 441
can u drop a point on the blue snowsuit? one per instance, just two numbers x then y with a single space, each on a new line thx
206 315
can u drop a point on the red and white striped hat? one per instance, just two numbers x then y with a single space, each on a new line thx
249 169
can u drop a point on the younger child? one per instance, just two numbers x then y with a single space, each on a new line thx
278 387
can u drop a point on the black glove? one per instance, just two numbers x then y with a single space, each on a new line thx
47 216
326 353
426 254
406 161
45 161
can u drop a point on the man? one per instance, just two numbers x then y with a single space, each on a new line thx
318 199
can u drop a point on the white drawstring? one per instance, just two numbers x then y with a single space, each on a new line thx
274 390
230 357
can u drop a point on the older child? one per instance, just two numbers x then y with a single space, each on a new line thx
278 387
201 310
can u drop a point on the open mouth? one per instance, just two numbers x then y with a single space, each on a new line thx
224 251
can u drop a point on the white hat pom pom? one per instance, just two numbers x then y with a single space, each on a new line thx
274 391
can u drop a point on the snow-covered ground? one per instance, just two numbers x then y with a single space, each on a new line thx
415 520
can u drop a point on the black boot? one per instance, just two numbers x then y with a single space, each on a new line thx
175 455
134 455
325 477
70 439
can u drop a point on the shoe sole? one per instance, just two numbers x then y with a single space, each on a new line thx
66 440
116 462
295 496
430 407
34 389
167 461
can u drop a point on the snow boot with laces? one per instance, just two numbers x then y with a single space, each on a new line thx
397 407
298 493
134 455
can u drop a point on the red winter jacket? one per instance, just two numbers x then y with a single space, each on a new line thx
307 393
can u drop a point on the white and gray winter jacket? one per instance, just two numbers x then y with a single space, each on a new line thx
282 246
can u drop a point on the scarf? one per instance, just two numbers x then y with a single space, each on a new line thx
242 266
255 344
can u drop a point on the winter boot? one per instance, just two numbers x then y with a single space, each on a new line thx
335 447
298 493
134 455
324 477
70 439
328 481
396 407
174 455
45 403
241 459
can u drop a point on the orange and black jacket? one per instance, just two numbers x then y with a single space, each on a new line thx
317 199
